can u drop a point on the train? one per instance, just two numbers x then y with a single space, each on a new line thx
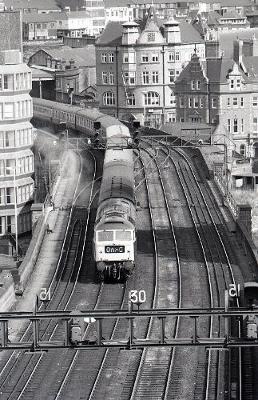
114 241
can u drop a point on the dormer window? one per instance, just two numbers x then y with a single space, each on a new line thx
151 37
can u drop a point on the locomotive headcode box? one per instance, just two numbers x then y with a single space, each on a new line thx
114 249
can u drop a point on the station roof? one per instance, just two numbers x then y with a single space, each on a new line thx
41 74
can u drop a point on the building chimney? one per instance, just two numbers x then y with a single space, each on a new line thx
72 63
254 46
238 51
130 33
172 32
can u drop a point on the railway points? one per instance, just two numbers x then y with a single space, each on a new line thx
153 275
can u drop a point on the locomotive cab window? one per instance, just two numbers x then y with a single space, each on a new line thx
105 236
123 235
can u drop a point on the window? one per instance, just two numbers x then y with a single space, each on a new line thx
155 77
190 102
242 125
177 56
197 85
1 167
109 99
1 84
9 138
201 102
195 102
131 99
235 126
172 99
111 57
171 118
181 102
145 58
238 83
171 57
214 102
155 58
242 150
9 223
126 58
129 78
111 78
8 110
104 78
192 85
255 101
103 57
234 102
229 125
231 83
5 82
171 76
145 78
105 236
228 101
255 124
151 98
151 37
241 102
9 195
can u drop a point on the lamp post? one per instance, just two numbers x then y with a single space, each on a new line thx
15 208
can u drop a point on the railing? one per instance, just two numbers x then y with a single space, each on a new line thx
229 199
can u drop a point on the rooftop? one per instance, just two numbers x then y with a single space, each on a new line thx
112 34
36 17
28 4
83 57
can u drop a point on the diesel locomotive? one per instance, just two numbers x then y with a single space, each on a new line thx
114 239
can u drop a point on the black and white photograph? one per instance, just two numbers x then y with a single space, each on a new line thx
128 200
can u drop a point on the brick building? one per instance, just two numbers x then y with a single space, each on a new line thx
137 66
223 92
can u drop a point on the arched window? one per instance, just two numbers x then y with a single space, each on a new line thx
151 99
109 99
242 150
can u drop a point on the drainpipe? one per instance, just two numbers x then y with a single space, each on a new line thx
117 99
164 97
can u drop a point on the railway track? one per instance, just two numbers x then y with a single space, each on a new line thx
24 370
206 376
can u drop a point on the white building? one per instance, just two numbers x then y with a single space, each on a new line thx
16 140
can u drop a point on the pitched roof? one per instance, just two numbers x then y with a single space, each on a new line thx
36 17
84 57
218 69
112 34
64 15
226 39
38 4
236 3
231 14
251 64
